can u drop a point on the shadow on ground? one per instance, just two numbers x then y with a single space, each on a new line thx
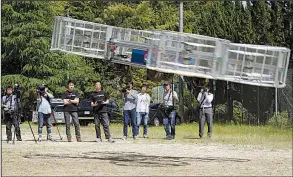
138 159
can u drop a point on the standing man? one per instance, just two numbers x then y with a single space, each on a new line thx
206 111
169 97
9 108
130 100
99 101
142 110
71 99
44 110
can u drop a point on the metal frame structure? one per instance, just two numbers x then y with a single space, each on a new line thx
174 52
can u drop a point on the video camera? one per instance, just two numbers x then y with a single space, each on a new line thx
166 109
41 88
16 90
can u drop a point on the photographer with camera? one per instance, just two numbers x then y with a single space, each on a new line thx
129 113
142 110
44 110
9 108
71 100
205 99
99 100
169 97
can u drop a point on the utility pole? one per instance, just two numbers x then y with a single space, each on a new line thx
181 82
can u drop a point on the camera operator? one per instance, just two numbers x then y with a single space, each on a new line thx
205 99
99 101
129 113
169 97
9 108
44 110
142 110
71 100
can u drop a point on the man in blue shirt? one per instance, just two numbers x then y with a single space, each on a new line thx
9 106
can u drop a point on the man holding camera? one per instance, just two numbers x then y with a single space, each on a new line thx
206 111
99 101
71 100
130 100
169 97
9 108
44 110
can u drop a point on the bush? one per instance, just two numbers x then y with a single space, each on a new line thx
281 120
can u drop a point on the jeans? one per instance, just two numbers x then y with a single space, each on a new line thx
172 121
130 115
104 119
142 117
205 115
41 118
75 120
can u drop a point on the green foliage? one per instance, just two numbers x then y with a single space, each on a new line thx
281 120
27 30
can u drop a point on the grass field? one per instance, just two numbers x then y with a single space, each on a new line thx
261 136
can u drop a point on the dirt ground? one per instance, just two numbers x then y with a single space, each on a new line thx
143 157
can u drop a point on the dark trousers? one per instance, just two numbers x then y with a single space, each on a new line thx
130 115
205 115
102 118
75 120
11 119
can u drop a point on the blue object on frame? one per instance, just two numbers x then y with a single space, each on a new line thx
139 56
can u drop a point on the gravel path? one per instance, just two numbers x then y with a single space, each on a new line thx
141 158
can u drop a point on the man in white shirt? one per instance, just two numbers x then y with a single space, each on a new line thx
142 110
169 98
206 111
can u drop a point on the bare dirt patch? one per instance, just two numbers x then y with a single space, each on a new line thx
141 157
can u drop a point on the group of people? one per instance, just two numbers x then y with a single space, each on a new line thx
135 111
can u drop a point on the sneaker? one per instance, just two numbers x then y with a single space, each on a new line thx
99 140
78 139
49 137
124 137
40 138
168 137
19 139
145 136
173 136
135 137
110 140
69 139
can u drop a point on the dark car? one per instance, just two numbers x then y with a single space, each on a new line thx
157 114
86 115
